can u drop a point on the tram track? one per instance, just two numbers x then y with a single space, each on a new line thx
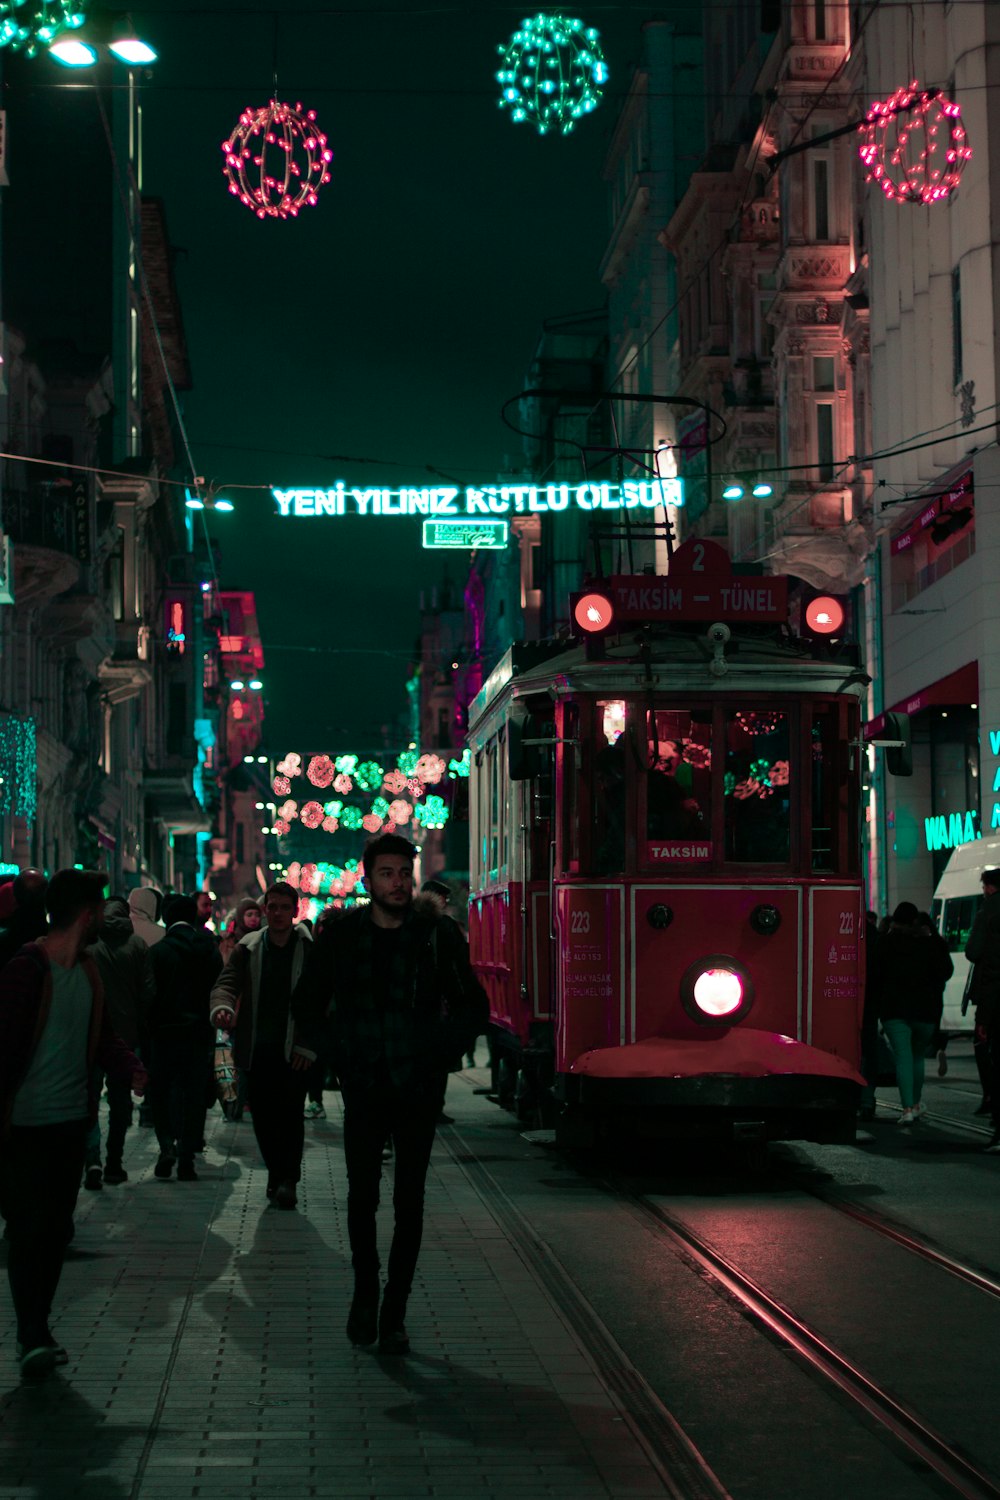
679 1463
920 1442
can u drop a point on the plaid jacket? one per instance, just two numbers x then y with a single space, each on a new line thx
433 1012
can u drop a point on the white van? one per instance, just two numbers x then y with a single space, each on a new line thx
958 897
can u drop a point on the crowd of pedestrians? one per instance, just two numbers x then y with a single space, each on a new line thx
137 999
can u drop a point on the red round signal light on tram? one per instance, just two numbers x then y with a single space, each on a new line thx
593 613
718 993
825 615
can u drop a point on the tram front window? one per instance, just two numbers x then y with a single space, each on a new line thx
756 786
679 781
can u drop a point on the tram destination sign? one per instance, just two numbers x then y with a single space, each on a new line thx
700 585
484 501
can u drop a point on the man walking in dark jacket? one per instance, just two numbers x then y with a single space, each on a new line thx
123 962
983 951
54 1030
185 966
402 1003
252 1000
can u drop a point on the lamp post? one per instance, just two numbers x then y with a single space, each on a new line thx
102 32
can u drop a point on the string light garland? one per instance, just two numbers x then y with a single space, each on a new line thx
388 811
277 159
18 767
552 72
914 145
28 25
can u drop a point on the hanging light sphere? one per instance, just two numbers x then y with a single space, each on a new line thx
552 72
277 159
914 145
27 25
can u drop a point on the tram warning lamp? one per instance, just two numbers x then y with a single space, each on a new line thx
824 617
593 616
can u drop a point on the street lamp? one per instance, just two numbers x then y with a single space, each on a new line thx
212 501
102 30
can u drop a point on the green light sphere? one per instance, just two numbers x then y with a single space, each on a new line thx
552 72
28 25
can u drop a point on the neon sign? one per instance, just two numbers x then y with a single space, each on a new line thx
487 500
489 536
948 833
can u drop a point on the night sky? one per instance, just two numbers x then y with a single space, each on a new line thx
390 322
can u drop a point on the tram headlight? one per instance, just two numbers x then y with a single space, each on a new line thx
717 990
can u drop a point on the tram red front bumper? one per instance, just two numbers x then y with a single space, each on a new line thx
741 1052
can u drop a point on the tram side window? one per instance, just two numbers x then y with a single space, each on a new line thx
757 787
493 863
609 787
959 915
825 763
679 775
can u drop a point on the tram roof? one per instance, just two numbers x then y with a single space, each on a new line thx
679 663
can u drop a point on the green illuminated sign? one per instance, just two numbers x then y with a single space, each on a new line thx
947 833
489 536
488 500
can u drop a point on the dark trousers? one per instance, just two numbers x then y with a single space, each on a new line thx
119 1120
40 1171
179 1067
276 1094
371 1116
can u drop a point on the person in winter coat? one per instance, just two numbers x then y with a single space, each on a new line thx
54 1031
252 1000
144 908
983 952
911 969
123 962
27 922
395 985
186 964
246 919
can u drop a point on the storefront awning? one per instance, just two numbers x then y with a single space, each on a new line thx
957 690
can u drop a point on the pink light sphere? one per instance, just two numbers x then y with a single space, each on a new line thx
914 145
277 159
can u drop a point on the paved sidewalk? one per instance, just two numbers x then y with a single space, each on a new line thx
208 1354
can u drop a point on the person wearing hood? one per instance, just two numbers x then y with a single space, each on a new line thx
186 965
246 919
123 963
910 971
144 909
27 922
252 1001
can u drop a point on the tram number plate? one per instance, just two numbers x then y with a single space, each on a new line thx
688 850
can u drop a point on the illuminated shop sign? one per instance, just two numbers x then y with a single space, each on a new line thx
486 500
948 832
488 536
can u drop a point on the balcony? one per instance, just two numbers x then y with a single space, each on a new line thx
170 799
42 524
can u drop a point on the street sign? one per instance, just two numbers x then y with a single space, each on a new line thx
700 585
477 536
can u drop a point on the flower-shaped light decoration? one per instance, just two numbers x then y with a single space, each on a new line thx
552 72
343 783
27 25
371 822
290 766
394 782
320 770
282 826
277 159
289 810
759 723
311 814
914 145
330 824
369 775
400 811
431 813
351 818
430 769
282 786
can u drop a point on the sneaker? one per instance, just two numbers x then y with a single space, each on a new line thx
38 1361
314 1111
59 1355
993 1148
284 1195
115 1176
906 1118
93 1179
362 1322
942 1063
919 1109
164 1165
186 1171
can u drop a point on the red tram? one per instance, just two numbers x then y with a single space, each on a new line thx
666 900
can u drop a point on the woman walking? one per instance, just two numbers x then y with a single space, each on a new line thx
910 973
